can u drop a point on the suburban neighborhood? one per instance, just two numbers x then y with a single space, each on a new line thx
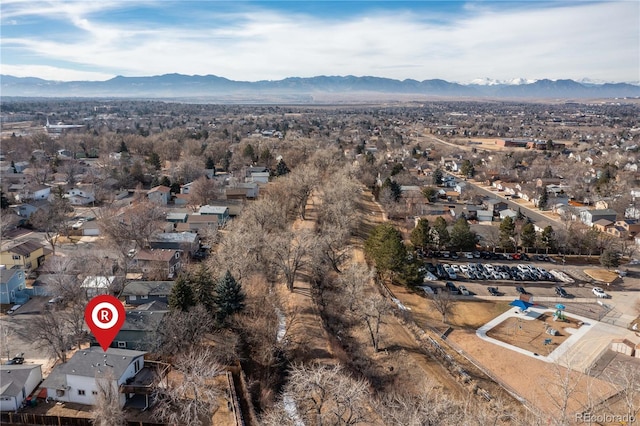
483 251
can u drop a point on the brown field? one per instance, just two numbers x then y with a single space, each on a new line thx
531 334
602 275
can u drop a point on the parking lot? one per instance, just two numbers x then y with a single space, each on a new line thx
507 274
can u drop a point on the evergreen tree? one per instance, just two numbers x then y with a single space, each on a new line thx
421 234
396 192
462 237
249 152
175 187
437 176
442 232
4 201
544 199
203 285
123 147
164 181
528 235
228 298
181 297
154 160
548 238
610 258
281 168
386 249
507 233
467 169
210 164
429 193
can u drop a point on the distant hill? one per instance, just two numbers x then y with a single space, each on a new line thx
304 89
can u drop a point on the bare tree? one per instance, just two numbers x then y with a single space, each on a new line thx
182 331
332 244
137 224
372 310
50 331
288 252
203 191
353 281
326 395
189 397
106 409
52 221
443 302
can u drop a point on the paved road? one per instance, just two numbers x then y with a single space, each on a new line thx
534 215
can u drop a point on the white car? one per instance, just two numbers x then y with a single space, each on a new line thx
598 292
463 290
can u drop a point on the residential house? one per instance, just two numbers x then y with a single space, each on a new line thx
141 292
90 228
12 285
80 197
196 222
182 199
94 285
177 217
34 192
187 242
158 263
221 212
450 164
29 254
508 213
140 329
627 228
589 217
25 210
495 205
460 187
484 215
603 225
76 380
186 188
255 169
259 177
159 194
17 382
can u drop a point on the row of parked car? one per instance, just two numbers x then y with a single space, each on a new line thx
480 271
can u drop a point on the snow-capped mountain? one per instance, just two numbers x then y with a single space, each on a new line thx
493 82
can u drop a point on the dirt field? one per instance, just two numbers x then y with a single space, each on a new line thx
602 275
531 334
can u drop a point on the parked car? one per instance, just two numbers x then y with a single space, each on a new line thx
521 290
561 292
451 287
18 359
493 291
598 292
463 290
427 290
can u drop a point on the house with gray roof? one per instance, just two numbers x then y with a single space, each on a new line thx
140 329
188 242
17 382
77 380
141 292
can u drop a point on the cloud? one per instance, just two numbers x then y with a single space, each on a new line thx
253 43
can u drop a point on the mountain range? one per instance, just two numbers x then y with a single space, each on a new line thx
297 89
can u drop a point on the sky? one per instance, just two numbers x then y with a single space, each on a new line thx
270 40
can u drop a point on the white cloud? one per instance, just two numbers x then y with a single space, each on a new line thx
53 73
572 41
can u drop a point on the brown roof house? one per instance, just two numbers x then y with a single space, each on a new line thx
158 264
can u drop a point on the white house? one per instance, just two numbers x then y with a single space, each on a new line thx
16 384
77 379
80 197
38 192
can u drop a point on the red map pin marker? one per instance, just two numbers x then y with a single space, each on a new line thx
104 315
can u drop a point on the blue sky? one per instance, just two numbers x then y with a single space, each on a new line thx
452 40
